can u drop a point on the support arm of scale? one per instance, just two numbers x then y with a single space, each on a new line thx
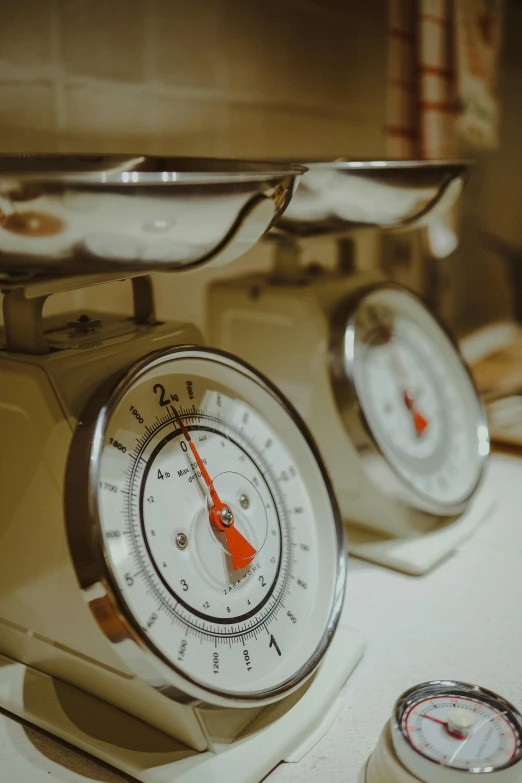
22 308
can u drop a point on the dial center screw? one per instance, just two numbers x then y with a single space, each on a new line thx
244 501
181 541
226 516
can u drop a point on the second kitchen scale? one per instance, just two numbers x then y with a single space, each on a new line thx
377 378
172 568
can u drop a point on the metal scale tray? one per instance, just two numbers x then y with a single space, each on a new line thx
69 215
337 196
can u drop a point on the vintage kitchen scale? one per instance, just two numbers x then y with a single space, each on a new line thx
380 383
172 568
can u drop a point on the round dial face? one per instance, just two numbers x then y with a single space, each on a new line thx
459 729
417 398
461 732
217 525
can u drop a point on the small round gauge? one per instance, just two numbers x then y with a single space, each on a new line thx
441 729
423 426
212 526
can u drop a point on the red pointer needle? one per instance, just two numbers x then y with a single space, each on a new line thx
435 720
419 422
221 516
445 724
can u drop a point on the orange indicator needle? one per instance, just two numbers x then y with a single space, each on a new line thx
241 551
419 422
220 517
201 466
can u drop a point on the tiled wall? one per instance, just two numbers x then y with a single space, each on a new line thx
247 78
217 77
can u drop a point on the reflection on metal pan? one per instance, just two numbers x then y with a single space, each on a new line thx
336 196
81 214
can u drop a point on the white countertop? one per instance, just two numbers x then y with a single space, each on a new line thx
462 621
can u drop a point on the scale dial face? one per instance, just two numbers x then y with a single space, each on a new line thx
417 398
455 726
217 526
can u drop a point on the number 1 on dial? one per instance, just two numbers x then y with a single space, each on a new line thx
273 643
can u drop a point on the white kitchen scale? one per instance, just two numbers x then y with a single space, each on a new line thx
172 567
378 380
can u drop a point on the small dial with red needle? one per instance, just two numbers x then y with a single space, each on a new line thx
445 727
219 530
417 399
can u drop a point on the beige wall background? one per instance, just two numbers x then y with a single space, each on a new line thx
193 77
245 78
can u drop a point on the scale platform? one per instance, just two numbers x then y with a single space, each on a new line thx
284 731
418 554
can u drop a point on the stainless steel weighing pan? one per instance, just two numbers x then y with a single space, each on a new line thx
337 196
63 215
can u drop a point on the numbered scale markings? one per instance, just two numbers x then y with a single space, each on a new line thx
217 527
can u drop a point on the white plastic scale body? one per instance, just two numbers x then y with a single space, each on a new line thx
166 593
408 505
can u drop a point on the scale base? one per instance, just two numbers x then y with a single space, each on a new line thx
281 732
419 554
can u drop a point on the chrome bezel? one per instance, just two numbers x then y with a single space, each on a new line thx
352 410
451 687
93 569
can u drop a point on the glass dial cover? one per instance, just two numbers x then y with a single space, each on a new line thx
443 727
222 624
417 400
